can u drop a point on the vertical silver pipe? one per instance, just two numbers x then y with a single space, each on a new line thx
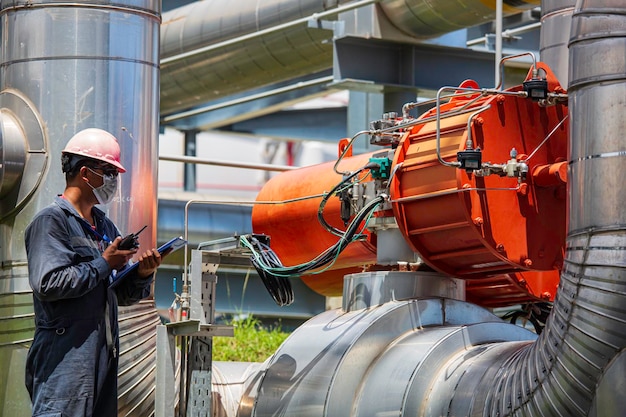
498 45
78 65
556 19
576 366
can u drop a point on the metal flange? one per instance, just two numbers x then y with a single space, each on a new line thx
23 151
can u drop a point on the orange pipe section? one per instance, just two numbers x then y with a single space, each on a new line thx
552 175
295 232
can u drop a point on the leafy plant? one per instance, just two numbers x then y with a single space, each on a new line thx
252 342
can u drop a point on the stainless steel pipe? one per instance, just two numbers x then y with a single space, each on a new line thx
556 19
276 56
66 66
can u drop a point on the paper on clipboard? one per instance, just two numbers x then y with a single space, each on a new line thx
170 246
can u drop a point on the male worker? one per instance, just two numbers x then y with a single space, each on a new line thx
71 368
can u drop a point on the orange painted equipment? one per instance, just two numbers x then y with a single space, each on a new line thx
506 238
474 227
295 233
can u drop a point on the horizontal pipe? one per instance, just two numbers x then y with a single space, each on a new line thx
233 164
207 54
506 34
247 99
273 29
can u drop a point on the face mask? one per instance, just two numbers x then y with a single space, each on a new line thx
105 193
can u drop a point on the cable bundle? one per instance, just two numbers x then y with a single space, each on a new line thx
346 182
275 275
279 287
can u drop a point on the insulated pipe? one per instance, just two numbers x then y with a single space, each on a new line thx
66 67
237 67
576 366
428 18
371 360
556 18
234 66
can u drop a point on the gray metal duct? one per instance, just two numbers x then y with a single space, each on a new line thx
370 359
65 67
395 331
209 49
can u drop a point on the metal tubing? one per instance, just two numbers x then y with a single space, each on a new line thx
205 161
469 144
498 46
506 34
510 57
248 98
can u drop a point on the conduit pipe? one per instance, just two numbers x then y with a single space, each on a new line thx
576 366
223 163
212 64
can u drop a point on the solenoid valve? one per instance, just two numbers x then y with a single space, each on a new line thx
383 132
470 159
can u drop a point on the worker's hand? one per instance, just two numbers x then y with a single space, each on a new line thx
149 261
115 257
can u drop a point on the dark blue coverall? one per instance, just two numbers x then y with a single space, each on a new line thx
71 367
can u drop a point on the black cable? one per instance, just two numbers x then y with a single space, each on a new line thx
535 313
278 287
277 283
320 210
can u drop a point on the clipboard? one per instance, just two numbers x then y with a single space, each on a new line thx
168 247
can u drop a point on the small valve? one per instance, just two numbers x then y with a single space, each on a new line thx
515 168
184 300
511 166
388 121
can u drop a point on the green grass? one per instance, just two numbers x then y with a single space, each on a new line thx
252 342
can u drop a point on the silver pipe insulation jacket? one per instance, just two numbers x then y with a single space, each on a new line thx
67 66
90 65
428 19
375 361
556 18
243 66
565 372
285 54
